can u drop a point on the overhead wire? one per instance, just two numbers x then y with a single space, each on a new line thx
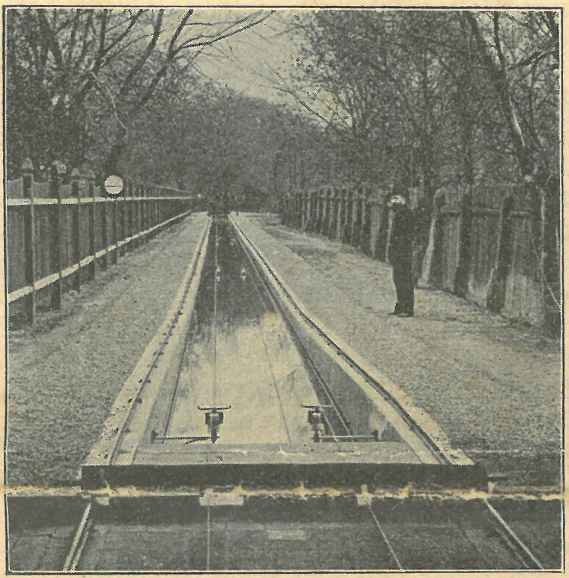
215 283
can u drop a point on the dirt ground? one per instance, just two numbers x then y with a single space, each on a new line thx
64 375
494 387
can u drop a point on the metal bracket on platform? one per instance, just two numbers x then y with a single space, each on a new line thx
316 419
214 419
156 437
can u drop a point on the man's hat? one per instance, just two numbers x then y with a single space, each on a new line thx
397 200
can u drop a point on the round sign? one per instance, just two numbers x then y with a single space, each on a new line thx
114 185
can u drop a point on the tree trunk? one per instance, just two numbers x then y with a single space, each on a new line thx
530 168
118 148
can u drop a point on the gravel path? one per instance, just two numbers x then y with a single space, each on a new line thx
493 387
64 375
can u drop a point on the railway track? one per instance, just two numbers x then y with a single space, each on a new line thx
192 532
341 534
219 449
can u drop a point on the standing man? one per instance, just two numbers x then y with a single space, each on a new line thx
400 256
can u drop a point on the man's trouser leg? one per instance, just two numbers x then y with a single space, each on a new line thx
403 279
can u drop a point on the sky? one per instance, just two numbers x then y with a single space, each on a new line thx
246 62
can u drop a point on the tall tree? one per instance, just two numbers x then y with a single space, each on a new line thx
64 62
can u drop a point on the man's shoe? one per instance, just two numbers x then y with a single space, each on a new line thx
405 314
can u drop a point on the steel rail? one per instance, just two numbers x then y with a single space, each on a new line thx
321 382
504 531
208 540
427 440
347 433
512 540
385 538
262 297
216 280
164 343
80 537
173 397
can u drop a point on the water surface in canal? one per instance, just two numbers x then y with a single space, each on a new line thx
240 353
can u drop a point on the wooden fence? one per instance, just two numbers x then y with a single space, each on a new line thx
59 233
486 245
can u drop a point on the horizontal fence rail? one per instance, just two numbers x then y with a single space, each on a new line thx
59 233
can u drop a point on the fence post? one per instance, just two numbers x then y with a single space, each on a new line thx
366 221
342 219
431 267
143 225
308 222
128 200
322 209
115 211
344 235
353 195
149 207
383 227
355 220
549 258
496 295
356 216
104 231
156 203
30 240
325 211
55 192
340 216
333 212
92 223
317 210
328 202
465 247
76 232
139 226
130 211
314 208
332 215
283 209
123 215
145 213
134 203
